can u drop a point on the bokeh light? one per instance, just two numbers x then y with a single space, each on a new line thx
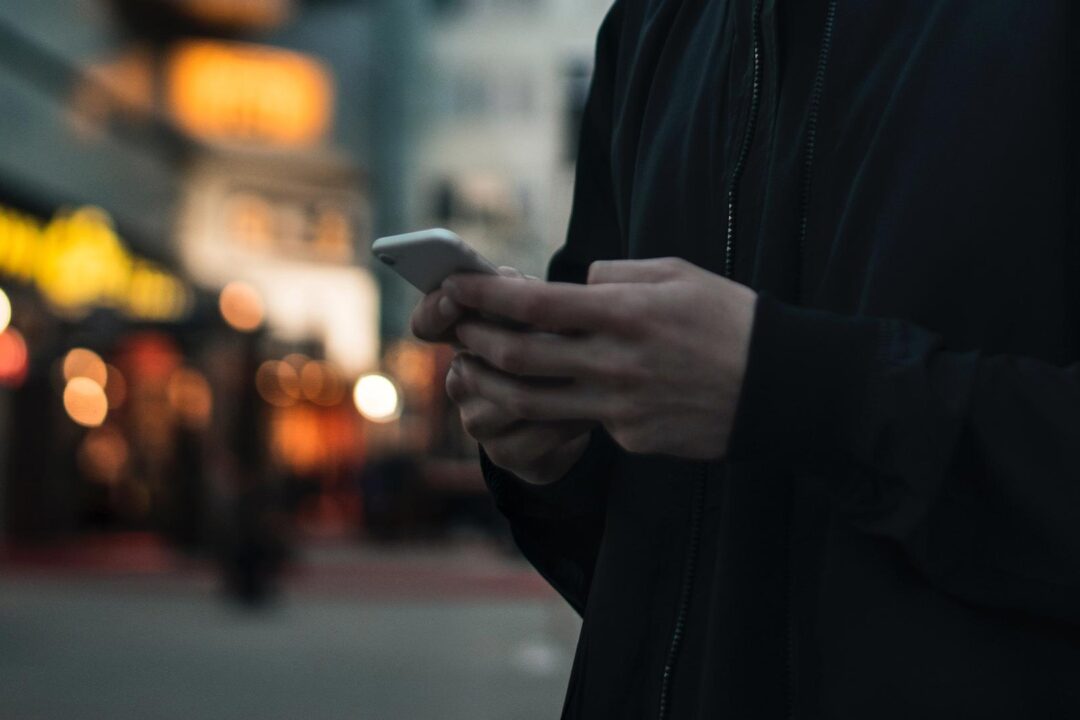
268 383
241 306
377 398
83 363
14 358
190 397
103 455
288 378
5 311
322 383
85 402
115 387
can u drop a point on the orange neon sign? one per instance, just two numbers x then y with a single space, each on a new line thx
230 91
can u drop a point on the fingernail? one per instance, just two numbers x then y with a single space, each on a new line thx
450 286
447 307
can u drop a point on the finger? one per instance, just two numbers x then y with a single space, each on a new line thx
434 316
526 443
483 419
533 400
533 354
543 304
629 271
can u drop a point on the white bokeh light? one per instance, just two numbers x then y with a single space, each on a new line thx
377 398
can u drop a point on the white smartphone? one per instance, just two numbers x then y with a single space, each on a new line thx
428 257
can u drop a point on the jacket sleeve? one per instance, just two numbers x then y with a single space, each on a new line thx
558 527
970 462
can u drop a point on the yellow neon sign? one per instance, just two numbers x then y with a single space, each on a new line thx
77 261
253 93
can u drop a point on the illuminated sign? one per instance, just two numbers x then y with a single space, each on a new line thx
77 261
286 227
248 93
257 14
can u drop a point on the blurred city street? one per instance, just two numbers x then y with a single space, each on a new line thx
232 484
372 635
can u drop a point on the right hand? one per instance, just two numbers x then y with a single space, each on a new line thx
537 452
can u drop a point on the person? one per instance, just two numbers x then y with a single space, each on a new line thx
795 421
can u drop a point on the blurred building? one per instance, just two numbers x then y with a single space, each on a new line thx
509 81
182 198
188 193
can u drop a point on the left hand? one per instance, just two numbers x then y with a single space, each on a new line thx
655 350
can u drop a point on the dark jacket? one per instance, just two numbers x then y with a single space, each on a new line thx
895 532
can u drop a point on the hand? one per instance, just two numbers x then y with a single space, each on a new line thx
435 316
537 452
655 350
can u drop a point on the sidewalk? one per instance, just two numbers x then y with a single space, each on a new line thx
354 571
131 632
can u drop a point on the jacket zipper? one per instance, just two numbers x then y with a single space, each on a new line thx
810 144
744 151
698 502
809 148
689 570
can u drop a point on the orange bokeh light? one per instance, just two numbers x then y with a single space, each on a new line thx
241 306
268 383
80 362
103 455
115 387
190 397
85 402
